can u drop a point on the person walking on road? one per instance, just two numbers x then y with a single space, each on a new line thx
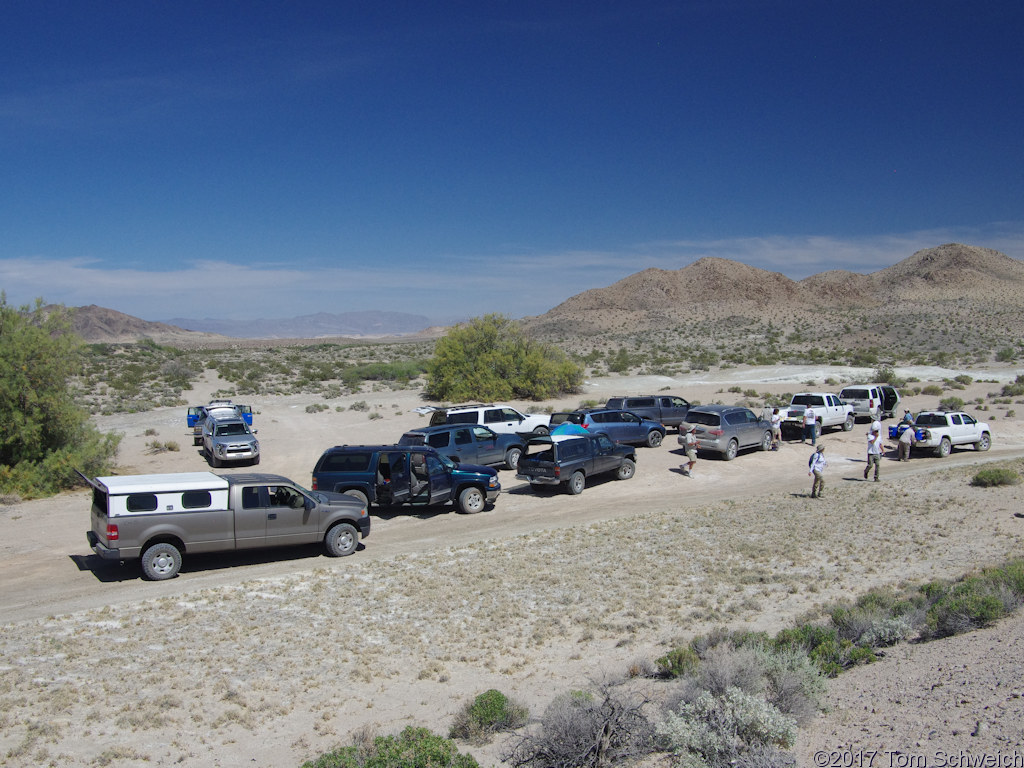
688 439
816 469
874 450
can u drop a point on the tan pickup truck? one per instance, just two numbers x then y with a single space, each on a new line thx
159 518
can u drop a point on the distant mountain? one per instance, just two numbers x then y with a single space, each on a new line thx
101 325
954 278
321 324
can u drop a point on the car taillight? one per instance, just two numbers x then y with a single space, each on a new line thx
314 485
112 532
716 432
558 471
871 403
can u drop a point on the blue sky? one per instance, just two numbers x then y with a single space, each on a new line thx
259 159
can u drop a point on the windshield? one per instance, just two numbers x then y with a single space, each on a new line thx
232 429
930 420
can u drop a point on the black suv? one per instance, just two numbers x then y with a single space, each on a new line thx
472 443
404 474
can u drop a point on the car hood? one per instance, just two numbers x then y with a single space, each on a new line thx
332 499
476 469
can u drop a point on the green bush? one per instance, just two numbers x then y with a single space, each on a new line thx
987 478
678 662
932 390
412 748
951 403
488 713
490 358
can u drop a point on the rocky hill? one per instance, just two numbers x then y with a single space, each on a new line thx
101 325
716 289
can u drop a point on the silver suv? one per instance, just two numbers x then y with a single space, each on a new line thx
872 401
229 440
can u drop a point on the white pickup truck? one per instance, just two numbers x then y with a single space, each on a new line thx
941 430
829 411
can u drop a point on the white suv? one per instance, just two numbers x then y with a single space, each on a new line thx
503 419
872 401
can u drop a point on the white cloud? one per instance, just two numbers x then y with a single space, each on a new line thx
448 287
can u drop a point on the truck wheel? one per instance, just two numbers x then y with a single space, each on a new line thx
541 430
214 461
817 430
512 457
731 450
161 561
766 441
944 449
984 444
654 438
471 501
848 424
576 483
626 470
341 540
359 495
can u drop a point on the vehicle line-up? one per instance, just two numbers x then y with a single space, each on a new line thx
157 519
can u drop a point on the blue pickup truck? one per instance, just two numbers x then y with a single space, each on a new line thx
394 475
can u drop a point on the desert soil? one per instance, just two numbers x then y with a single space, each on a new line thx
270 659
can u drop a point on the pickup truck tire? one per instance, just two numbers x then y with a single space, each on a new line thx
731 450
944 448
848 424
766 441
541 430
356 494
341 540
654 438
626 470
576 483
512 457
984 443
160 561
471 501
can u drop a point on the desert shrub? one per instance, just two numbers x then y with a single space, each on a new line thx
987 478
490 358
149 432
678 662
722 730
795 685
359 405
974 601
155 446
46 435
1014 390
488 713
932 390
579 730
726 666
831 653
316 407
412 748
951 403
1006 355
374 415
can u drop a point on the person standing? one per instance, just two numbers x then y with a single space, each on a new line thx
810 425
776 429
874 450
816 469
688 439
907 439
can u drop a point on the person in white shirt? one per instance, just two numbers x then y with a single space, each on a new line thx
810 425
776 429
816 469
874 450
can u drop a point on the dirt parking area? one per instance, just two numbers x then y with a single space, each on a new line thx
271 658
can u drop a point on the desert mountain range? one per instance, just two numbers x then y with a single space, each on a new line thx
952 280
953 275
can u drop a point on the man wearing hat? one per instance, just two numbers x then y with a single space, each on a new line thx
688 439
816 469
908 417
